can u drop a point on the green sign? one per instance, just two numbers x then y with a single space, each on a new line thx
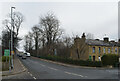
6 52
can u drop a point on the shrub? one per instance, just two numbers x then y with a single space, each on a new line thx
5 58
71 61
110 59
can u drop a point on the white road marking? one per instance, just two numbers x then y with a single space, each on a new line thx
85 76
52 68
68 72
22 64
42 65
34 78
73 74
77 74
31 75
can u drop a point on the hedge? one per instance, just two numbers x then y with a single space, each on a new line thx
110 59
74 62
5 58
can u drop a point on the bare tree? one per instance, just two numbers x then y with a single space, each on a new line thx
28 42
51 27
36 31
89 36
30 36
17 19
6 37
67 41
26 46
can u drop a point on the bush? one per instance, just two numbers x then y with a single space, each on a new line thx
71 61
5 58
110 59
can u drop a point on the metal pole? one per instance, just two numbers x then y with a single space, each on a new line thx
9 58
12 39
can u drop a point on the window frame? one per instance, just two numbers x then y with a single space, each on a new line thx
116 50
104 50
99 49
93 49
108 50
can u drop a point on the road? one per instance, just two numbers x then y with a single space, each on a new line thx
39 69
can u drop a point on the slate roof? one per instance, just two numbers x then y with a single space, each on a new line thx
101 43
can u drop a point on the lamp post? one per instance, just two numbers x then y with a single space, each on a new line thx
12 37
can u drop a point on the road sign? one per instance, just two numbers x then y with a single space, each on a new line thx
6 52
12 52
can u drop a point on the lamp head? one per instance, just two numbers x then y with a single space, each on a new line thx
13 7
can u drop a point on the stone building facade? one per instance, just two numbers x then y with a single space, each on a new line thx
93 49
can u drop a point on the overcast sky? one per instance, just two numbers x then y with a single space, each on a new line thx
98 18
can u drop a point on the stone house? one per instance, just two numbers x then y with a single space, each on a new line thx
93 49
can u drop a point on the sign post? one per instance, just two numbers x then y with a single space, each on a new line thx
6 52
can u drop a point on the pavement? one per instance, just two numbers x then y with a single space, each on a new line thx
18 68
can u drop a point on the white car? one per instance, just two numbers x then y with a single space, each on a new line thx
27 54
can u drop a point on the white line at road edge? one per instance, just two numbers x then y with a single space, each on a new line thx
68 72
22 64
73 74
31 75
34 78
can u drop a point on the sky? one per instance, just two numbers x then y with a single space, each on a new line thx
98 18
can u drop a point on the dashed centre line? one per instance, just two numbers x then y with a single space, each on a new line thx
31 75
73 74
64 71
52 68
42 65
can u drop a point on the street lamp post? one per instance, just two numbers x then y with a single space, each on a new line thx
12 37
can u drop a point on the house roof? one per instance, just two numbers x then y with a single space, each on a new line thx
101 43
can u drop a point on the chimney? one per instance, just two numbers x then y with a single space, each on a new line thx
118 40
112 41
77 39
97 39
83 36
106 39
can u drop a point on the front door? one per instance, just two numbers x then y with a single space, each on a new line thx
93 58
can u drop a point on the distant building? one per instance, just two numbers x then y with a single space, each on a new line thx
93 49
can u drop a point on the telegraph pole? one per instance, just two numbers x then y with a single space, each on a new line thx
12 37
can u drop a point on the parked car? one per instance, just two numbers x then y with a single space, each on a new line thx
27 54
23 56
20 54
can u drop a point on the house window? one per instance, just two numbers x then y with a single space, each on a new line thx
115 50
104 50
112 50
108 50
99 49
93 49
119 50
